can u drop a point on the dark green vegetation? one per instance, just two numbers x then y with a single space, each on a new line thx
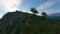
34 10
43 14
25 23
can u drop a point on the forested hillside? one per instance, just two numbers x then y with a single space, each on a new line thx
25 23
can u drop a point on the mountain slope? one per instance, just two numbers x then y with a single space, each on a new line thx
25 23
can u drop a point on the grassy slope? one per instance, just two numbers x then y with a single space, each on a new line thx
29 24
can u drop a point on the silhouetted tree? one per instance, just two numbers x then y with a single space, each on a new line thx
17 11
43 14
34 10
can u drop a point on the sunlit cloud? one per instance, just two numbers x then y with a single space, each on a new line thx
1 15
9 5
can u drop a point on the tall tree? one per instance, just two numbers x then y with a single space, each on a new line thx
43 14
34 10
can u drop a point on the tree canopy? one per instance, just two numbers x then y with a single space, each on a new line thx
34 10
44 14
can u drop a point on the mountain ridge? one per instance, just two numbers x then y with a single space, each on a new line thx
25 23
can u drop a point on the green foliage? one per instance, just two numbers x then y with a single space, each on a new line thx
34 10
24 23
43 14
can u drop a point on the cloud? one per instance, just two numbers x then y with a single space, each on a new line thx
46 5
51 11
1 15
9 5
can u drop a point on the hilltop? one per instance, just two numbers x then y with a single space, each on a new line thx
25 23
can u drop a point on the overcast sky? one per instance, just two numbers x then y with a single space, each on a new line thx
48 6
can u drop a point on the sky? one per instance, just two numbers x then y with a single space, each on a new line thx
48 6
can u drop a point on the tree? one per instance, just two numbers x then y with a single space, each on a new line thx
43 14
34 10
17 11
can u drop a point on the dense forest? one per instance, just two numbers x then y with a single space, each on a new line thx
19 22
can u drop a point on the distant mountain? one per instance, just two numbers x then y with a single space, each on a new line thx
25 23
55 16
